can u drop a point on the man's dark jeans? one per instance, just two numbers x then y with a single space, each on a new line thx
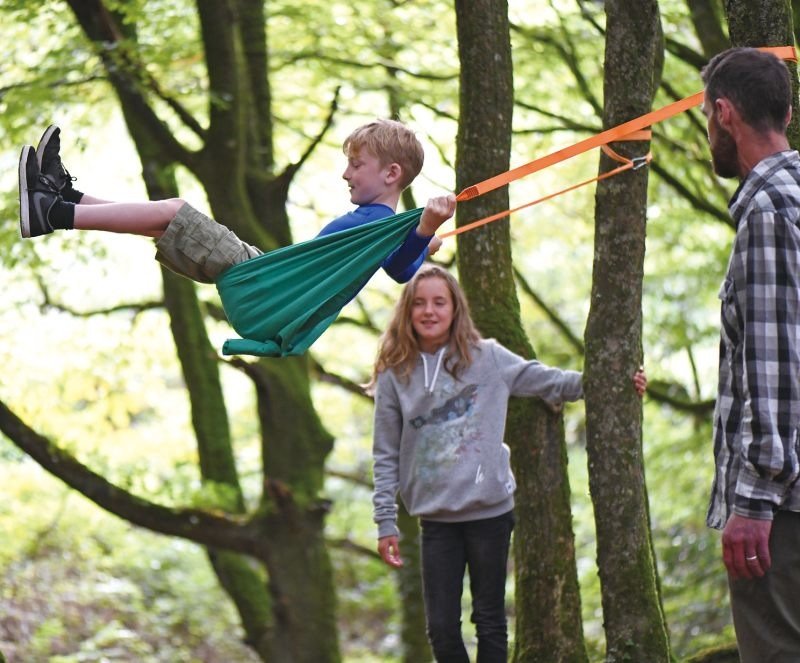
447 550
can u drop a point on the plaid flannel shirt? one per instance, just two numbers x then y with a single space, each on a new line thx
758 407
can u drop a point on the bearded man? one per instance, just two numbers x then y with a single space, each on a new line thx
756 495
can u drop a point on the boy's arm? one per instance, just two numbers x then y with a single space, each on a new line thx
403 263
436 212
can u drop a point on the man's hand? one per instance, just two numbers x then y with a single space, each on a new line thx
389 550
745 547
436 212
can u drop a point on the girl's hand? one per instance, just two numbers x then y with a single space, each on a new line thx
640 381
389 550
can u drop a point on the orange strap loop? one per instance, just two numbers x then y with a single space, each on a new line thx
627 131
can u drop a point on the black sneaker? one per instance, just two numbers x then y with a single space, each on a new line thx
36 196
51 166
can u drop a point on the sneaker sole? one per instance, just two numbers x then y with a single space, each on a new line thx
24 211
43 143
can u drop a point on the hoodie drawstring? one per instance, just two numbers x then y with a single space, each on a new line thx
439 356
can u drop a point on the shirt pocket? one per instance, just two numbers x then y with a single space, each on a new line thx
730 325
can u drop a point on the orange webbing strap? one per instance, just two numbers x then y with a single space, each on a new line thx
627 164
620 132
782 52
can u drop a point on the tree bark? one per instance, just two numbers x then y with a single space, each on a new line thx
633 616
796 12
292 617
707 19
200 368
766 23
547 600
416 648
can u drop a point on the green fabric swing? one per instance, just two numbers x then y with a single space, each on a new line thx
282 301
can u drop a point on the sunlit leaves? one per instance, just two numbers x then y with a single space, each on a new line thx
110 389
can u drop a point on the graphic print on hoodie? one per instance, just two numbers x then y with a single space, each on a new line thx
448 433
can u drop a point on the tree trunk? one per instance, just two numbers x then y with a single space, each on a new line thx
707 20
547 601
766 23
297 622
632 611
416 648
200 369
796 12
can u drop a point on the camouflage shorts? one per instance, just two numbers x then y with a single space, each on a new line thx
196 246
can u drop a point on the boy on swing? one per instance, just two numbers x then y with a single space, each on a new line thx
383 158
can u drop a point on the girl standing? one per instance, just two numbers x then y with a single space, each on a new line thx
441 395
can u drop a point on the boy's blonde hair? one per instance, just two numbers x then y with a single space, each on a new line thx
389 141
398 348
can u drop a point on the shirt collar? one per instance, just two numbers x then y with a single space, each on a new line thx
756 179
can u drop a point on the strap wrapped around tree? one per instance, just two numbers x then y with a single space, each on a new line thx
282 301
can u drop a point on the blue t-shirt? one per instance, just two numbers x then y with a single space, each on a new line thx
405 260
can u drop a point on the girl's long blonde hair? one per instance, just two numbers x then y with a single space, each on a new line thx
398 347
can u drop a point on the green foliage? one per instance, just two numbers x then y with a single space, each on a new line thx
48 67
721 654
215 496
79 585
368 609
108 387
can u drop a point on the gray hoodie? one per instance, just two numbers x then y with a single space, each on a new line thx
439 441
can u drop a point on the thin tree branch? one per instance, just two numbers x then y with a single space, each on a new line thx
662 393
204 527
57 84
136 309
572 338
327 377
685 54
316 56
125 73
334 106
566 123
698 202
659 392
358 479
351 546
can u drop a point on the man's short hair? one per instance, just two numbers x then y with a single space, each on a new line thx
389 141
756 82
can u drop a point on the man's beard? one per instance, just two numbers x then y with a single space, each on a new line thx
725 154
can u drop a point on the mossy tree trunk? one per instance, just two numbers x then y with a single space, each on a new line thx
416 648
632 611
287 607
200 368
547 602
